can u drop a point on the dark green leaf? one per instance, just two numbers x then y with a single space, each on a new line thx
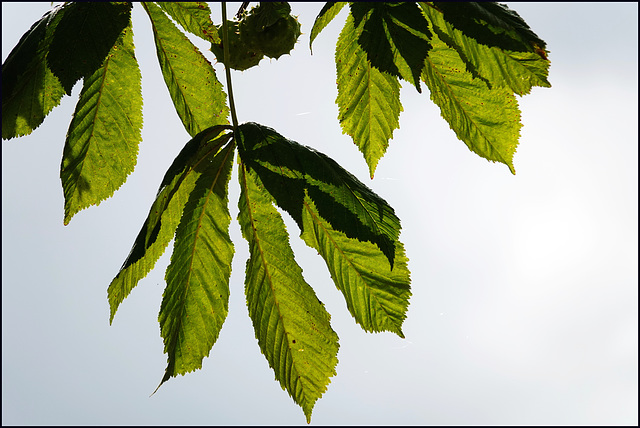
519 70
29 88
491 24
196 93
196 298
165 213
83 38
288 170
291 324
395 37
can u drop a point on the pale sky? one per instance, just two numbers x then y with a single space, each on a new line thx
525 288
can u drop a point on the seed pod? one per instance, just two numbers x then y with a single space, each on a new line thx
270 29
241 57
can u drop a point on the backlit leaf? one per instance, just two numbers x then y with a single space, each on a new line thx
329 11
196 298
491 24
368 99
164 215
196 93
518 64
289 170
101 148
376 295
395 37
194 17
291 324
486 120
29 88
83 38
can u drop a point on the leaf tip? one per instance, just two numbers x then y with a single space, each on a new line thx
164 379
372 162
112 312
307 412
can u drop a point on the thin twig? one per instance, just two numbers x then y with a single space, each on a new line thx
227 69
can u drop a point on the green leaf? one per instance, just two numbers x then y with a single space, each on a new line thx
196 298
486 120
29 88
288 170
291 324
195 91
491 24
368 99
376 295
83 38
515 62
329 11
395 37
194 17
102 142
165 213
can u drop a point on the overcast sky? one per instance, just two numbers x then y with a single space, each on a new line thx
525 287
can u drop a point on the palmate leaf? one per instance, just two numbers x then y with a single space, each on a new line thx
102 142
518 62
196 93
29 88
165 213
376 295
485 53
368 99
351 227
288 170
291 324
194 17
196 298
486 120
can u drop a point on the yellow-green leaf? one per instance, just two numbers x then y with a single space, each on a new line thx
326 15
102 143
499 54
291 324
196 93
486 120
377 296
289 170
194 17
84 37
165 214
368 99
196 298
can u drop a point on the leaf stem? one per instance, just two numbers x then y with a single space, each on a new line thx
225 45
